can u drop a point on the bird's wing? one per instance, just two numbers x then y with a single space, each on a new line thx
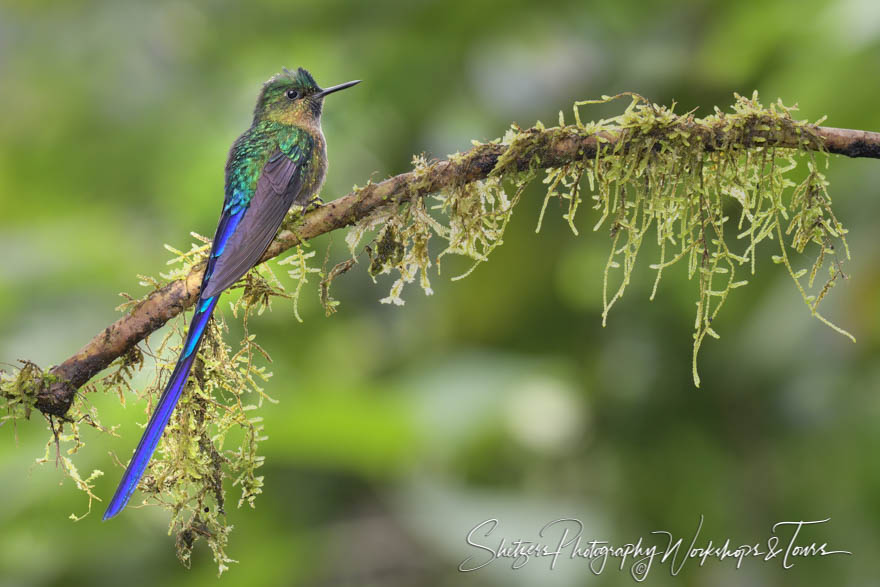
246 229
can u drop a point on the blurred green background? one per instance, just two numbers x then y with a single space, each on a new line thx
400 429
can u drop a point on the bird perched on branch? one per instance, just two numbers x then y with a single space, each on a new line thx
280 161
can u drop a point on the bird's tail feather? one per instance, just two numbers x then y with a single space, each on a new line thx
164 409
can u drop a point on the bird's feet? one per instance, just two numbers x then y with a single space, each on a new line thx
313 204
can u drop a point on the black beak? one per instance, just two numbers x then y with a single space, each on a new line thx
332 89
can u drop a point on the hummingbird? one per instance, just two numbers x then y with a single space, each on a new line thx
279 162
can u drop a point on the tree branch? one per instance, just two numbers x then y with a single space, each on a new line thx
545 148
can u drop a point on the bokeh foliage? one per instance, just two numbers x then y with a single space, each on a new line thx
501 396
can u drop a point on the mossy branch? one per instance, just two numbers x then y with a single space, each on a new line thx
708 190
535 148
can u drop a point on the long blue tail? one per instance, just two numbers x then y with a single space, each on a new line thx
150 439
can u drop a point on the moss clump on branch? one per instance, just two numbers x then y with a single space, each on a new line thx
674 176
470 217
19 387
650 174
18 391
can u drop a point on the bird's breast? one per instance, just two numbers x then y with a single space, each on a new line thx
317 169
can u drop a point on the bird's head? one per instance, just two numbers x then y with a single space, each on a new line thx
293 97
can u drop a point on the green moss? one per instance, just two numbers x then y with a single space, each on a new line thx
670 177
18 395
214 435
18 391
213 439
470 217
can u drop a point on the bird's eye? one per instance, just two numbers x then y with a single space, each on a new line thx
292 94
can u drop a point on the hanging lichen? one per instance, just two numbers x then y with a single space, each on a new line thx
655 174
